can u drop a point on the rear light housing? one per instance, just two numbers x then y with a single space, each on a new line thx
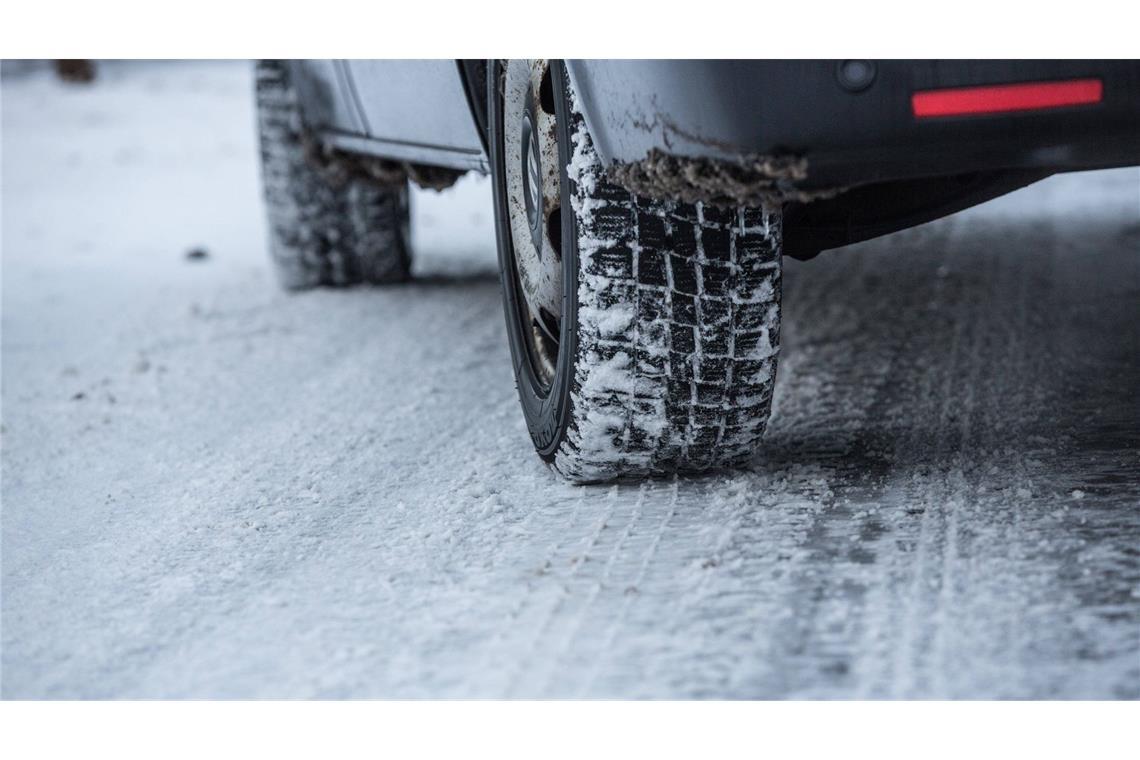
1006 98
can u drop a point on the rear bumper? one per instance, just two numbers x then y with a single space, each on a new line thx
729 110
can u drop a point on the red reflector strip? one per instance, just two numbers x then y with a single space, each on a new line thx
1003 98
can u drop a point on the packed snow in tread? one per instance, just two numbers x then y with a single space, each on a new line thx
212 488
678 329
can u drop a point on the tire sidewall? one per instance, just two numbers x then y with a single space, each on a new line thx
547 412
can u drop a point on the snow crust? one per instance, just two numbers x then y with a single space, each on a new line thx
214 489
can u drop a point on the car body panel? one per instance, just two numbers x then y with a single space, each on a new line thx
871 166
729 109
324 90
417 110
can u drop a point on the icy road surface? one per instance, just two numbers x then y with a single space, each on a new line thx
214 489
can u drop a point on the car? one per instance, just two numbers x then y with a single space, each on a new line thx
642 208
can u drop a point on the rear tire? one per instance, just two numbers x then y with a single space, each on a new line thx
325 227
669 332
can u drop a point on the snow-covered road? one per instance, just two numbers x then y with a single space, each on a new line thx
215 489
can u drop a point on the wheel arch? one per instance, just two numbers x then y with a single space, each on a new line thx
473 73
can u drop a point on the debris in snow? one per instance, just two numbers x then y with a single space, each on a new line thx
80 70
197 254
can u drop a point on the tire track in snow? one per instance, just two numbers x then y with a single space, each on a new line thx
526 599
574 627
899 555
939 394
823 416
550 617
630 593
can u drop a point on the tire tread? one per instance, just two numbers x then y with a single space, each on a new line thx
678 330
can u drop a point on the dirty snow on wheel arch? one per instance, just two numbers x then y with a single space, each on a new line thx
211 488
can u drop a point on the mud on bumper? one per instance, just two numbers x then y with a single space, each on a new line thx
855 131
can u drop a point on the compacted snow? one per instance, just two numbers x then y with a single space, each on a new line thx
215 489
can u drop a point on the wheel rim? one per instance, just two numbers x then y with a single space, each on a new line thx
530 162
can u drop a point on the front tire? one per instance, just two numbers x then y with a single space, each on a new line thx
668 332
326 227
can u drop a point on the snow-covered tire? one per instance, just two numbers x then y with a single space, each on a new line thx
325 227
670 326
